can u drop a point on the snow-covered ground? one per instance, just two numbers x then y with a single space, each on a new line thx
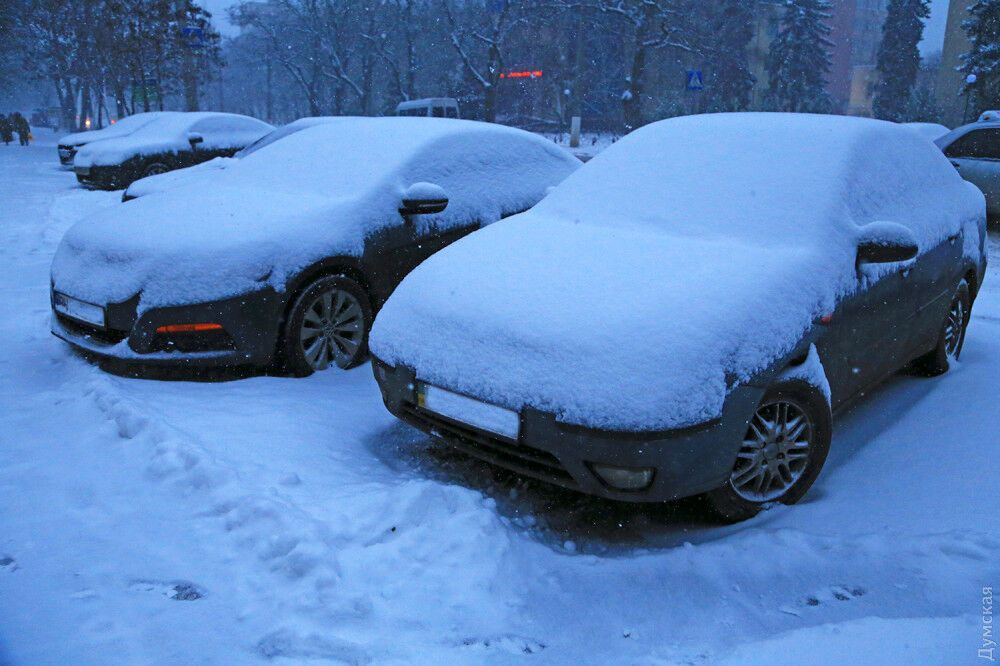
291 520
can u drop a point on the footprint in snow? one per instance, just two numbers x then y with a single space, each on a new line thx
835 593
176 590
509 643
7 563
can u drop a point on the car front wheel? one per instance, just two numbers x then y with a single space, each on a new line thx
782 452
328 324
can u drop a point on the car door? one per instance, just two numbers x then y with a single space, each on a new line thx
935 278
868 333
976 155
392 252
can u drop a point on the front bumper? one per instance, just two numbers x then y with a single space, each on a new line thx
248 337
687 461
66 155
101 177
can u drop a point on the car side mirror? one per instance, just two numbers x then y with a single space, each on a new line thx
423 199
886 242
194 139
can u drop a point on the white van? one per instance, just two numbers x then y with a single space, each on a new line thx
436 107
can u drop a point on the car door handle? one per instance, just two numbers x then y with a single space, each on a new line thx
953 238
956 165
905 272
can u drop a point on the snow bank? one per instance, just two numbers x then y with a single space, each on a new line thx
315 194
688 256
168 132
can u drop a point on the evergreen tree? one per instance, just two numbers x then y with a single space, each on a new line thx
799 59
730 81
983 29
899 58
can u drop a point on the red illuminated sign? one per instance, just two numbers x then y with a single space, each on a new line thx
536 74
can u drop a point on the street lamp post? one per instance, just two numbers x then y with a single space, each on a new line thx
970 81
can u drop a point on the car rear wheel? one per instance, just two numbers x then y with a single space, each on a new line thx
782 453
951 338
155 169
328 325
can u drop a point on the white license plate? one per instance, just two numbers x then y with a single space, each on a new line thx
492 418
77 309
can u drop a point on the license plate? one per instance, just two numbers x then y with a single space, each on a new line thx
476 413
77 309
82 171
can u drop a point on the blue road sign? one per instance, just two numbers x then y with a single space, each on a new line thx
193 36
695 81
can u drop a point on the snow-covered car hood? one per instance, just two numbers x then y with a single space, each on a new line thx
269 215
123 127
162 182
226 240
688 257
115 151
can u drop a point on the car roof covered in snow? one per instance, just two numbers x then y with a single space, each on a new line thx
684 259
169 132
317 193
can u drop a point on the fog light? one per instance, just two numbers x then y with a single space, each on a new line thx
624 478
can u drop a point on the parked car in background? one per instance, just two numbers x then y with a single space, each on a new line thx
71 143
974 150
683 314
172 140
432 107
172 179
284 256
930 131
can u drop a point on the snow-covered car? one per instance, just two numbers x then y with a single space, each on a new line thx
172 179
683 314
71 143
930 131
974 150
284 255
172 140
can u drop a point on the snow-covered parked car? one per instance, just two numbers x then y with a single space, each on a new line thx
285 254
172 179
683 314
974 150
172 140
71 143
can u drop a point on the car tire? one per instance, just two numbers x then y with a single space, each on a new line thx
951 338
154 169
328 324
770 466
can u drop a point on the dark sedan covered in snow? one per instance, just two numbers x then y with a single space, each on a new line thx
283 256
71 143
683 314
171 140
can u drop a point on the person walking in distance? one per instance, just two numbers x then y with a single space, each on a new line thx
6 130
21 127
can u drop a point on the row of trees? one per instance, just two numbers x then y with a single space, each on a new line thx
136 53
619 63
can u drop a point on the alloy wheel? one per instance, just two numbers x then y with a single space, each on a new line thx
775 451
332 329
953 328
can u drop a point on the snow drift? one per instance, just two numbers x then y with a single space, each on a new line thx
683 259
